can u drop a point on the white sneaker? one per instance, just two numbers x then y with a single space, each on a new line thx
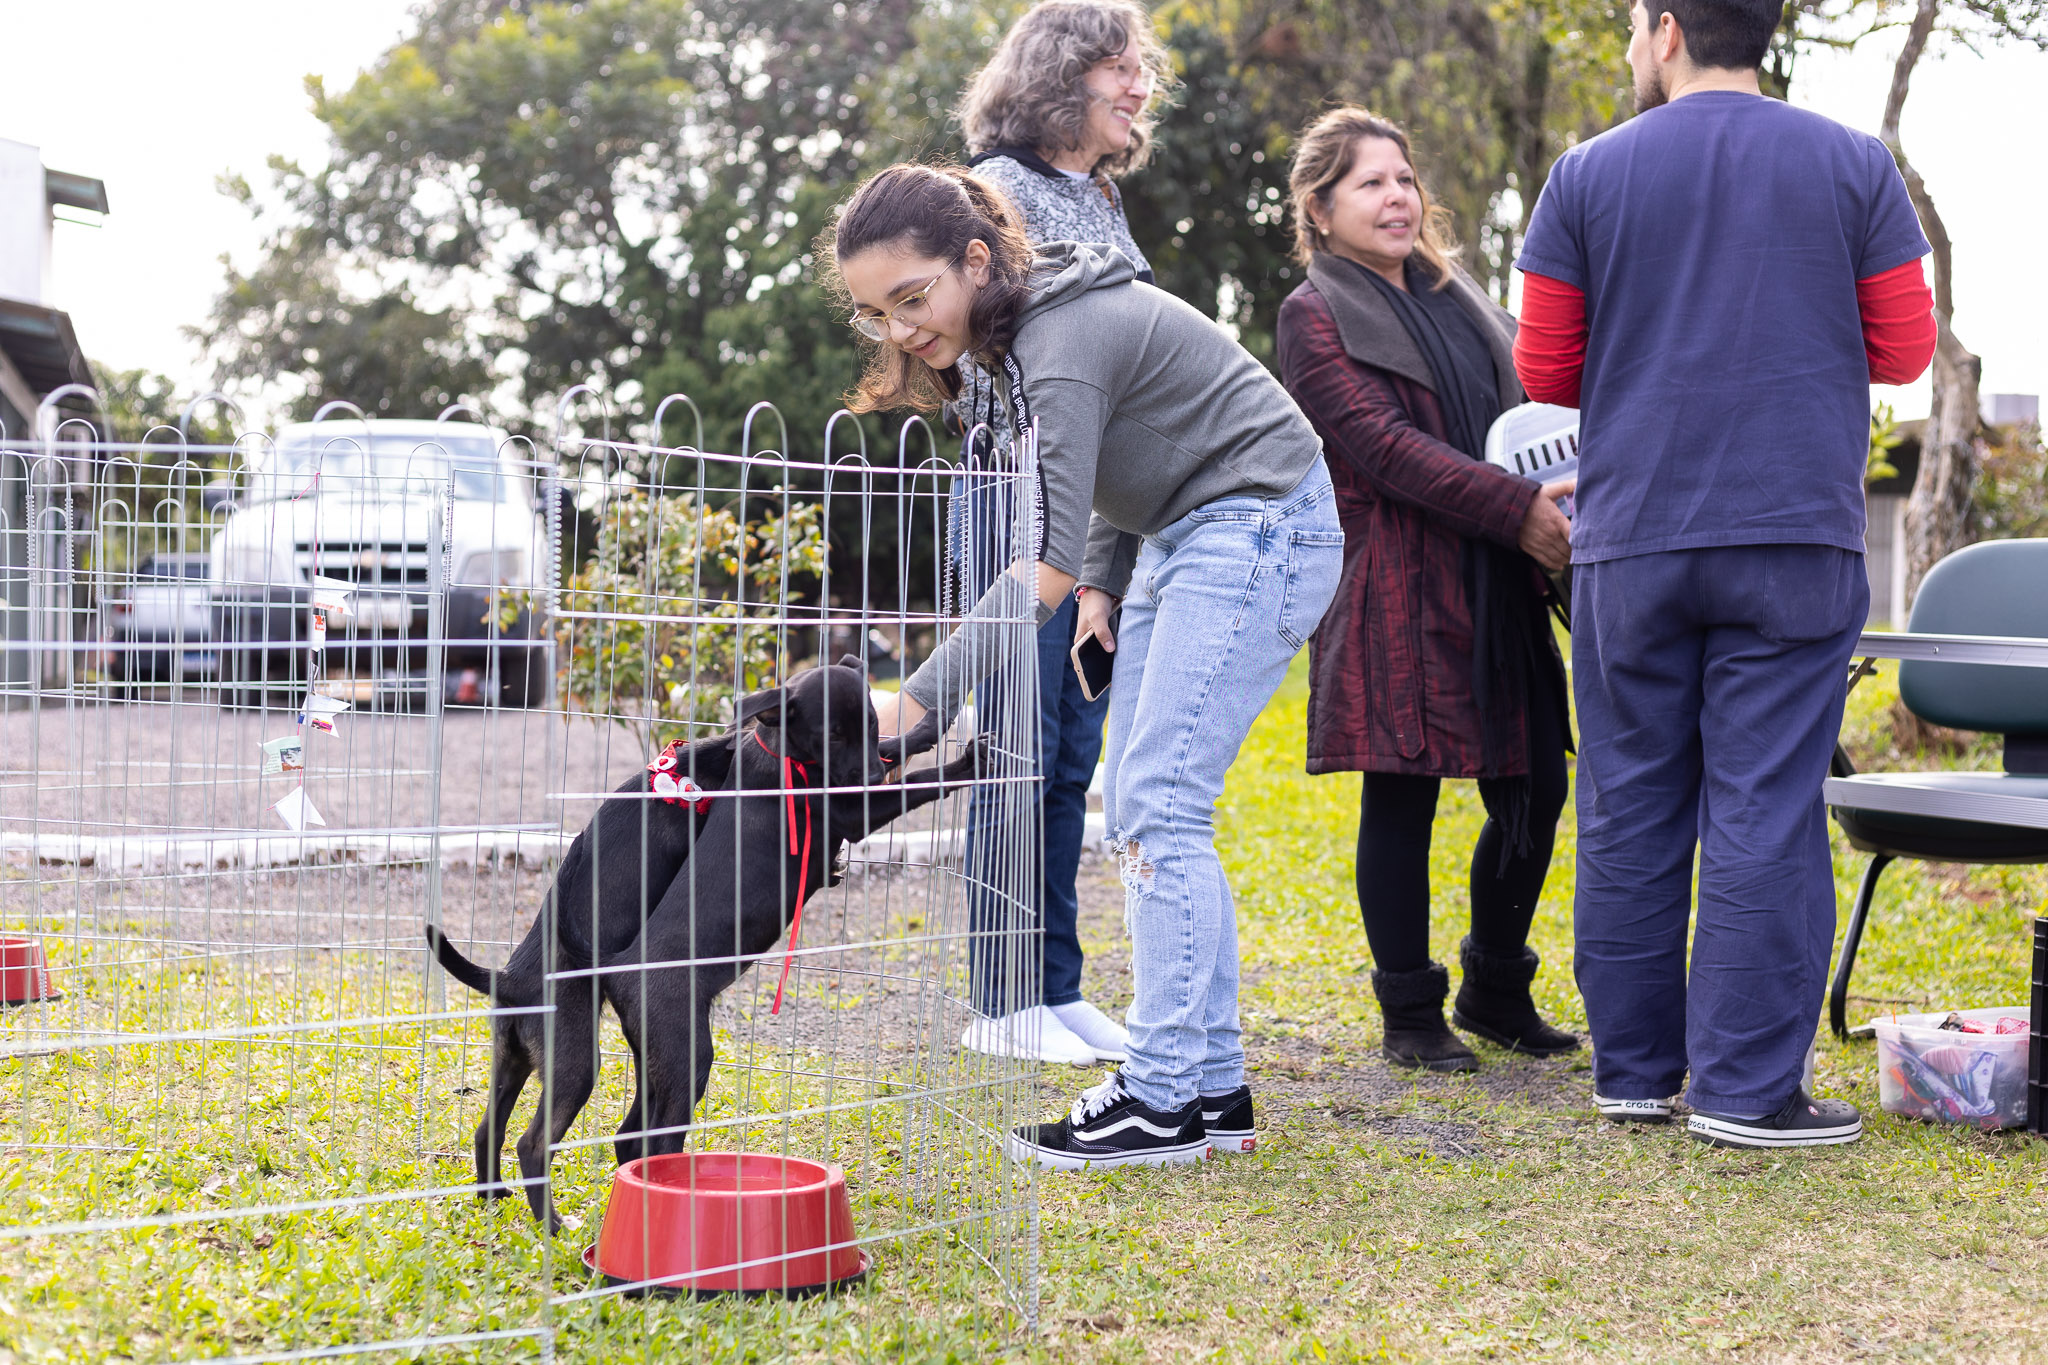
1632 1111
1036 1034
1110 1040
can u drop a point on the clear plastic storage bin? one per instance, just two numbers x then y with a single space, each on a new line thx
1947 1076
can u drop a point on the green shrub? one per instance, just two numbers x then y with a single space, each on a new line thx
682 605
2012 486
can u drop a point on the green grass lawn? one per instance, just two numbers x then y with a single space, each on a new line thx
1384 1217
1492 1216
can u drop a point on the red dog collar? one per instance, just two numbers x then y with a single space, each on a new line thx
675 787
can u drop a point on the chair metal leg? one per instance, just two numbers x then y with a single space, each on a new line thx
1838 989
2037 1026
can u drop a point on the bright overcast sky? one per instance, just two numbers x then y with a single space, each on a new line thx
160 99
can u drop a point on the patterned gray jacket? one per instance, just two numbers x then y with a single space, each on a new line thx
1056 207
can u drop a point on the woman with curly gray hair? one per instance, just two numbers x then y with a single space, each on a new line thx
1064 108
1064 105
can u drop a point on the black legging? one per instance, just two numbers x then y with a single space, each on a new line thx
1395 811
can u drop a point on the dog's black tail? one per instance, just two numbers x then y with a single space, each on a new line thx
479 979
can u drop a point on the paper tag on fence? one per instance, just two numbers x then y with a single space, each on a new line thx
331 594
286 755
297 810
320 712
319 627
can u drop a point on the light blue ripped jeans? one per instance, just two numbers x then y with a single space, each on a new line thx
1220 602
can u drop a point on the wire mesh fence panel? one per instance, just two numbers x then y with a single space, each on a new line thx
231 1109
783 1006
275 708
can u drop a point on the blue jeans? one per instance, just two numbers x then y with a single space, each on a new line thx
1710 686
1221 601
1069 740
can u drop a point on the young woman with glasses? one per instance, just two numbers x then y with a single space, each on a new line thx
1175 474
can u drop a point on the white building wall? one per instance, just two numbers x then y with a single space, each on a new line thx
24 224
1884 558
2004 409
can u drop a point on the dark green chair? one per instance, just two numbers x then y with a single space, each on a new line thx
1997 588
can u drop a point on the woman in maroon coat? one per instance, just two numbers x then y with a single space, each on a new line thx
1436 660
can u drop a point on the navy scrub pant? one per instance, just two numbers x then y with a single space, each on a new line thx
1710 686
1069 743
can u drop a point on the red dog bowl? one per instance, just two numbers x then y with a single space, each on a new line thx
24 972
725 1222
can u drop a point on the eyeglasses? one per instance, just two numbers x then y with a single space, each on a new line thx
913 311
1131 73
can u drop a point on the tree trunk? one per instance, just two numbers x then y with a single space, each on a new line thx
1938 513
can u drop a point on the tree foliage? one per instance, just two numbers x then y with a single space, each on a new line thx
525 196
619 193
138 405
679 610
1210 210
2011 497
1491 94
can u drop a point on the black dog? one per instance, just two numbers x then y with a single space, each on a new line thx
756 863
627 859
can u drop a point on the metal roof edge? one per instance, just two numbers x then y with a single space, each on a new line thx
75 191
42 345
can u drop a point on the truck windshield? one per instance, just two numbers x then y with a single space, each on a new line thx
392 466
172 567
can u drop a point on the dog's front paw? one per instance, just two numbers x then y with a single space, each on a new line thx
920 738
978 759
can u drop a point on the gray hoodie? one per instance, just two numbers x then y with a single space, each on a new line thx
1146 410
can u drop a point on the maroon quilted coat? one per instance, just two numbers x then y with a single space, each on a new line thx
1391 664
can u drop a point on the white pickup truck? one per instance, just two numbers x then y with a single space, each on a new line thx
360 503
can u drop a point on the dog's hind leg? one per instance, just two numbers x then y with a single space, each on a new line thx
510 1066
565 1090
551 1123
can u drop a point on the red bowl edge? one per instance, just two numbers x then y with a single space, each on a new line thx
590 1263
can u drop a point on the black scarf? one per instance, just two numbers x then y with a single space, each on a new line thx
1023 156
1507 610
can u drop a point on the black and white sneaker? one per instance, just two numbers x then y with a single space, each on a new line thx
1109 1127
1801 1121
1632 1111
1228 1119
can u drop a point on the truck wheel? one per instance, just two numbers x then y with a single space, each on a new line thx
284 678
252 679
522 676
241 675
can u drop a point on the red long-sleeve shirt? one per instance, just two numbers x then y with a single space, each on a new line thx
1896 307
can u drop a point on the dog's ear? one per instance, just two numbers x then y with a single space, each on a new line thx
853 662
764 706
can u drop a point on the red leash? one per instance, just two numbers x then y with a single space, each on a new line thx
803 874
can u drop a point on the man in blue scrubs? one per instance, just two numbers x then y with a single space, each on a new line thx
1698 283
